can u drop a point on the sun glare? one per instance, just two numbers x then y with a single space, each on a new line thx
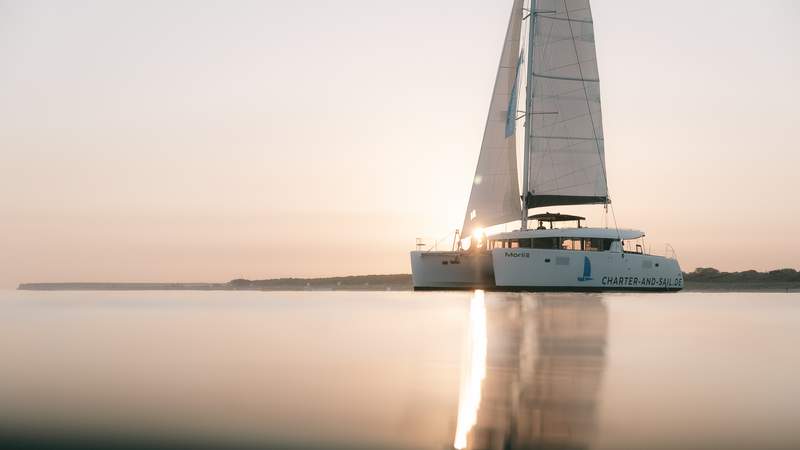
474 372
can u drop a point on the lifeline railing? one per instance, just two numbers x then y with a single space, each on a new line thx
669 252
435 247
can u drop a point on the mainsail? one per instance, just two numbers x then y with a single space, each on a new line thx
566 146
495 196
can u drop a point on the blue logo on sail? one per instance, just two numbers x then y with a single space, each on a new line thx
587 270
511 119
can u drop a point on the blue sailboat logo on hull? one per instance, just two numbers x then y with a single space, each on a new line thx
587 270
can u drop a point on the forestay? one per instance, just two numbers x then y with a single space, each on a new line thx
495 196
567 155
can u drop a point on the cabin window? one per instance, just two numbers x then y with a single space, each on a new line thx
546 243
594 245
525 243
500 245
514 244
588 245
571 244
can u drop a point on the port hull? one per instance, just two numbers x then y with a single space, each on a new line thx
452 270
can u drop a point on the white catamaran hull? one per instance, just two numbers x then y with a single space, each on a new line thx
556 270
545 270
452 270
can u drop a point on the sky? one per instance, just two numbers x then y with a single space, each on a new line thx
206 141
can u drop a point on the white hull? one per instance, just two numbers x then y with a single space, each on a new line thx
548 269
528 269
452 270
545 270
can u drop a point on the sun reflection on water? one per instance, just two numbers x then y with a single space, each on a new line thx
473 371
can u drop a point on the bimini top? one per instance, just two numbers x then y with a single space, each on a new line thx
552 218
585 233
556 217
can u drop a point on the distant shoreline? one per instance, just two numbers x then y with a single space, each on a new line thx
702 280
355 283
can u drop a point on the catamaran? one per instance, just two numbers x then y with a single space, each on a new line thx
564 165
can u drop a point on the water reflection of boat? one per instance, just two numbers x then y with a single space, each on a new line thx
544 363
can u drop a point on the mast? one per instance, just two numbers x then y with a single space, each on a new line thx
528 118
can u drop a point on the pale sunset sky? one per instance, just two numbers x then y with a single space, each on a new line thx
206 141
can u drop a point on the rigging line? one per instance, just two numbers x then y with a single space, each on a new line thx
564 66
583 170
581 79
564 94
556 41
588 104
571 119
567 138
547 153
567 120
571 186
577 10
569 174
436 244
616 225
567 20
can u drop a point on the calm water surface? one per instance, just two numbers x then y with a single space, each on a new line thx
399 370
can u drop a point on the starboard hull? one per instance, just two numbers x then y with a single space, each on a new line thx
585 271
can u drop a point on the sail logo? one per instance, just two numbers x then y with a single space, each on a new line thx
587 271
